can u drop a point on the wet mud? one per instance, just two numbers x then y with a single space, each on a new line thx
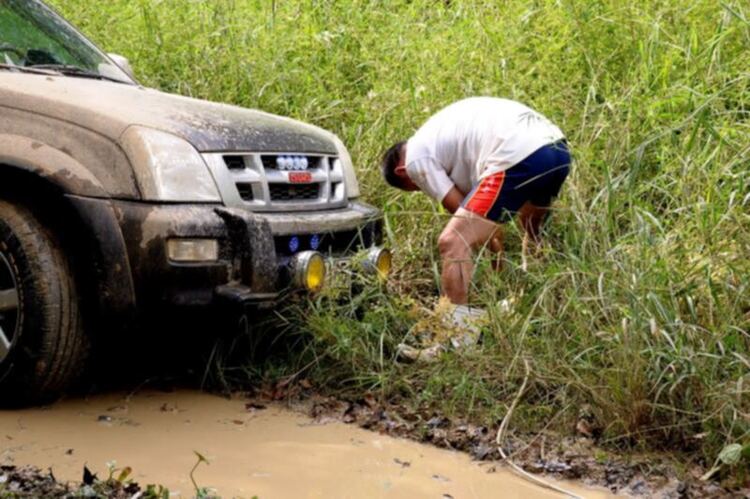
254 449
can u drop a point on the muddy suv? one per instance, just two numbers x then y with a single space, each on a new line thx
120 203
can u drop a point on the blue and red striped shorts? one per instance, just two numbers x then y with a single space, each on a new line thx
537 179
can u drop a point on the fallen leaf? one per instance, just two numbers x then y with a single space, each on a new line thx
167 407
349 416
403 464
584 428
88 477
124 474
482 451
731 454
437 422
370 401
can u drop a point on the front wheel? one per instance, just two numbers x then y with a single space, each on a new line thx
43 347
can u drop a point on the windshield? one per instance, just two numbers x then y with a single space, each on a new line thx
34 36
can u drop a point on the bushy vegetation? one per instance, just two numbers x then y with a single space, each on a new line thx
639 312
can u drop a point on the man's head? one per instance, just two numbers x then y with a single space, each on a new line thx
394 168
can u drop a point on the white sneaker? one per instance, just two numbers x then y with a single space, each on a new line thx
466 316
469 320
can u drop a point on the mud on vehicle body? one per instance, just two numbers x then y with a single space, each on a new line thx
119 203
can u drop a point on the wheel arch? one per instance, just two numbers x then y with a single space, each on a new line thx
84 219
56 166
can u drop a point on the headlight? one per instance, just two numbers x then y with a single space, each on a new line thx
309 270
350 176
167 167
379 261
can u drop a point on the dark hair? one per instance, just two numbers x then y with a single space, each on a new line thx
391 159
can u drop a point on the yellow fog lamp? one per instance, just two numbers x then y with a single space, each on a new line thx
379 261
309 270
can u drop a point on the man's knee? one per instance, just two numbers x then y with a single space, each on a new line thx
452 246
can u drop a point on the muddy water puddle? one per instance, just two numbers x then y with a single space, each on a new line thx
266 452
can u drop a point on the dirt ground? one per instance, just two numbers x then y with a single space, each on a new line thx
287 441
252 447
549 455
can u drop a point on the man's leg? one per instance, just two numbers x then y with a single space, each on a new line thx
548 167
498 250
531 218
465 232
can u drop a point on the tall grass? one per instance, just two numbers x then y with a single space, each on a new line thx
640 310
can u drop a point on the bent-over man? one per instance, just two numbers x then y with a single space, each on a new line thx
485 159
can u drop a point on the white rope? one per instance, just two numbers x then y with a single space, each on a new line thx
499 440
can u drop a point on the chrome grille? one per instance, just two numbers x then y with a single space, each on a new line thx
291 192
234 162
246 191
270 162
279 182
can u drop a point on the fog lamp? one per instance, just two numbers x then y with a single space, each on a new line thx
193 250
379 261
309 270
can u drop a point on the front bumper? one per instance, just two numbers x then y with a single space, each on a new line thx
254 249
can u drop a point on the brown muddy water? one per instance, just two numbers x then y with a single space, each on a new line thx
271 453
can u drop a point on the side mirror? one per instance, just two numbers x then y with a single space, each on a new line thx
123 63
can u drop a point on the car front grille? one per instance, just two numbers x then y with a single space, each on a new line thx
294 192
279 182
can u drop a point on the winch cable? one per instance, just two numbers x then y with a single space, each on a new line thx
506 458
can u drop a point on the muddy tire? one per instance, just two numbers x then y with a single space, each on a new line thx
43 348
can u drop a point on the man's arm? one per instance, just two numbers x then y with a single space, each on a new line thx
430 177
452 201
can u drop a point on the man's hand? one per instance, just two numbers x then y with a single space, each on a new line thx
452 201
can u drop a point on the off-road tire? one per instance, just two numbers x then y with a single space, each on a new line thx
51 347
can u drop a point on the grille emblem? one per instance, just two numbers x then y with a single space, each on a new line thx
291 163
300 177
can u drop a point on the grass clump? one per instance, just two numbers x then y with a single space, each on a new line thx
639 310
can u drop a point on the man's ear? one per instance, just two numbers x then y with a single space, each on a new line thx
400 170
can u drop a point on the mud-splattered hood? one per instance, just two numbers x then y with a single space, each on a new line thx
110 108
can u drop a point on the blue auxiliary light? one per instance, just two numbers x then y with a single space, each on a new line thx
293 244
315 242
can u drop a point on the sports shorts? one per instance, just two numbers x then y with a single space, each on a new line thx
537 179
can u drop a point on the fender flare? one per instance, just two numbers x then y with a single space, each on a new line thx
114 292
113 277
56 166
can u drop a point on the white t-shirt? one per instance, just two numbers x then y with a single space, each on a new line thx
474 138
